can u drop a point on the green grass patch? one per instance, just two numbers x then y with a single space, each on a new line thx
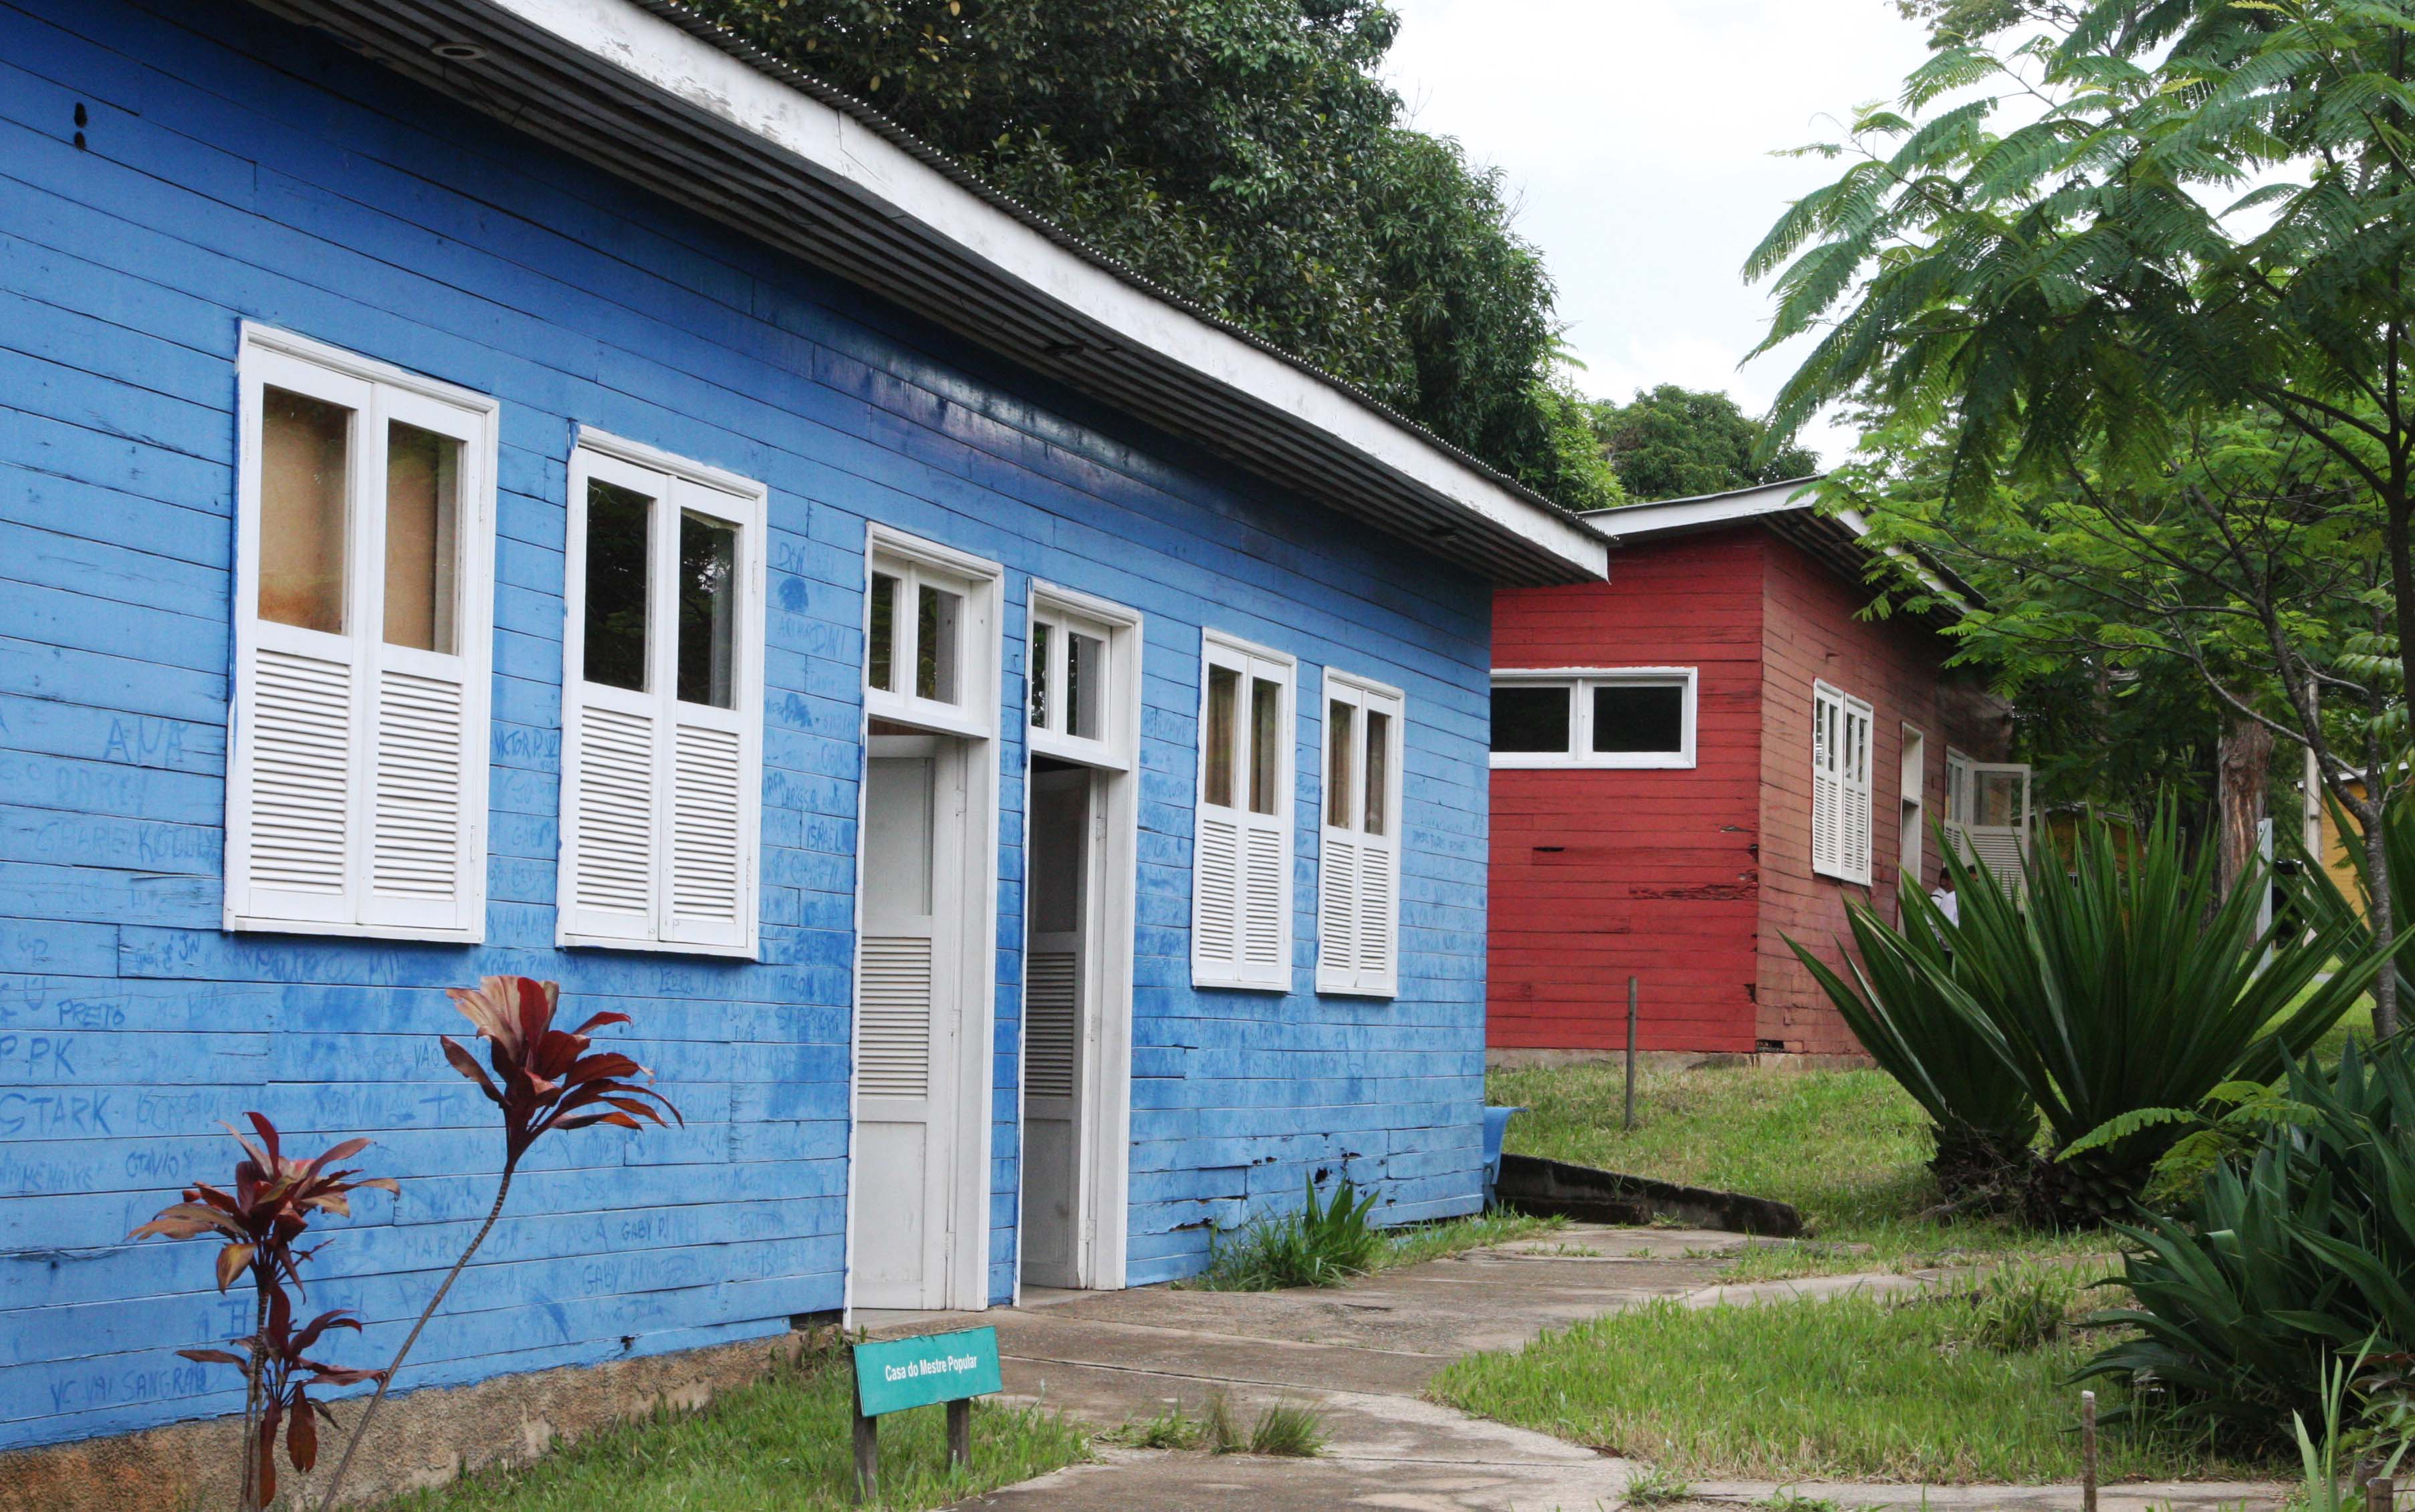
782 1445
1857 1389
1846 1148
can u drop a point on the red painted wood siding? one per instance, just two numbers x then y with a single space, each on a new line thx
1650 874
1810 632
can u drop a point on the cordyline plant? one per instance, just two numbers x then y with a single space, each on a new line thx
270 1209
547 1081
544 1078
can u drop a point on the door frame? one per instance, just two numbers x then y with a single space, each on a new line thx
1102 1142
973 727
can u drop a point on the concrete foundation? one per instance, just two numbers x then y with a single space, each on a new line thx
422 1438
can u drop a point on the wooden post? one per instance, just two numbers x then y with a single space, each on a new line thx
960 1434
2382 1494
2088 1451
867 1446
1630 1054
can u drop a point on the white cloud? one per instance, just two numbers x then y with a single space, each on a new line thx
1637 136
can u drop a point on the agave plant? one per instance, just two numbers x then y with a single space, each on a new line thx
2112 982
2283 1263
2123 979
259 1223
544 1080
1902 1001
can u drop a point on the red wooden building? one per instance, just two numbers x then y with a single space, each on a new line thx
1708 753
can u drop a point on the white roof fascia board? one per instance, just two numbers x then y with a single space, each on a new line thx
1702 510
1673 515
836 146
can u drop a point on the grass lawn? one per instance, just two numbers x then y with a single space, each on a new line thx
1851 1389
782 1445
1847 1147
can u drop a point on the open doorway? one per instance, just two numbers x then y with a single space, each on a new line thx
1080 828
1063 872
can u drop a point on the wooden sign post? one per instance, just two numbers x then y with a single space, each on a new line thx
896 1374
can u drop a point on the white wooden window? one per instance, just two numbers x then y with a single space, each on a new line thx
1079 682
1988 814
1911 789
1576 716
1240 908
661 766
1840 784
1358 867
357 791
930 655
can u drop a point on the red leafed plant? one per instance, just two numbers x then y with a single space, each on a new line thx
270 1209
286 1375
544 1078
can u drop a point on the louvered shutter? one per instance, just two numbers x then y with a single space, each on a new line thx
1854 844
1827 786
1051 1023
1359 845
1241 858
660 783
1957 803
356 799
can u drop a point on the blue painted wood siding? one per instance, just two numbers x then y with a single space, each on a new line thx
234 167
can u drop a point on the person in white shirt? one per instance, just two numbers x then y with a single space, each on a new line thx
1945 897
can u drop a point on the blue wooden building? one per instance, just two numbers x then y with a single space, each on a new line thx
527 487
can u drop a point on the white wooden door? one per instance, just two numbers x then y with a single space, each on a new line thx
907 1018
1056 1003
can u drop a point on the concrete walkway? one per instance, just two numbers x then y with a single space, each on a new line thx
1363 1357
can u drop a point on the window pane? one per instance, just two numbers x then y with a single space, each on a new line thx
1997 799
1043 638
1379 769
305 451
423 519
1086 672
1338 743
1639 718
1223 688
1530 719
617 522
1266 744
707 614
935 644
880 657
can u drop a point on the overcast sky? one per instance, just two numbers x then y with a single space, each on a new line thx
1637 136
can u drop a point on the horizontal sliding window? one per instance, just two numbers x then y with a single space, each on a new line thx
1594 717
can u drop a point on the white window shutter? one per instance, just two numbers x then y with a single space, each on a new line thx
1240 915
357 775
660 795
708 890
1840 784
1337 911
292 795
1358 880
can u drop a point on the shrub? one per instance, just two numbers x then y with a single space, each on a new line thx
2115 980
1326 1243
2284 1263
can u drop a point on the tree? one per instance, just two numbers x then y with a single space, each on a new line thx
1247 155
1674 443
2062 293
2142 612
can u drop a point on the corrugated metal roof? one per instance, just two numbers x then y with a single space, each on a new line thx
588 105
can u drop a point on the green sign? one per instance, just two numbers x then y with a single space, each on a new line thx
898 1374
